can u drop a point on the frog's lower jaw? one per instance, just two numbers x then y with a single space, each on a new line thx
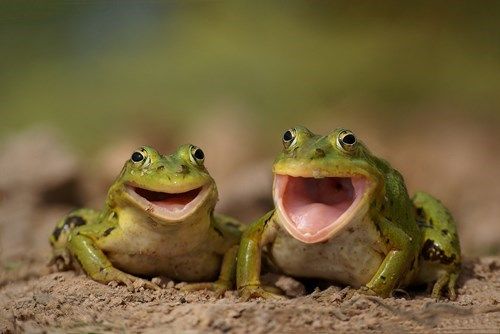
169 207
314 209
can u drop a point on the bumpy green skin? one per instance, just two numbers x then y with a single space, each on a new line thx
416 239
126 239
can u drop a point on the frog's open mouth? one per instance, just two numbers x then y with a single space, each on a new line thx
314 209
170 206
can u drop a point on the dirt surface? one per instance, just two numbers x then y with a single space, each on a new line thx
66 301
34 299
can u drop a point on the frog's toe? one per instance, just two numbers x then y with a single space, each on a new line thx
250 292
272 289
452 286
440 285
61 260
197 286
364 290
447 282
139 282
218 287
132 282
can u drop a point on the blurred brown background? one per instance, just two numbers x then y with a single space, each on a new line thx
82 84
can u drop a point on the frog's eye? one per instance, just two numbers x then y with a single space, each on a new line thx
141 158
197 155
289 138
347 140
137 156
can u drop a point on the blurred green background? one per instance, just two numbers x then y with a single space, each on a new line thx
419 82
112 68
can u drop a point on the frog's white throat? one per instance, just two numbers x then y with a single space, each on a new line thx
314 209
169 206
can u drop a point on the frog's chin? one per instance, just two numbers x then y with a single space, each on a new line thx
168 207
314 209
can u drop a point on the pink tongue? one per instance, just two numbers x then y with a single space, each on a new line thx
313 204
311 218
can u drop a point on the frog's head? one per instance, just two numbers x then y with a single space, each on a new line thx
322 182
168 188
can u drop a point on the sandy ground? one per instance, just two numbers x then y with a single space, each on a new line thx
37 301
34 299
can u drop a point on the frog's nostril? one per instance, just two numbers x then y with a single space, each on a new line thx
160 168
319 153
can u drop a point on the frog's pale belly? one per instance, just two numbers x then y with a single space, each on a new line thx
351 257
193 267
141 251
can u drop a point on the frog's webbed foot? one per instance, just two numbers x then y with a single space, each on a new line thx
446 282
61 259
218 287
255 291
132 282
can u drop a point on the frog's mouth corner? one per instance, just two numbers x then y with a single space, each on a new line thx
168 206
314 209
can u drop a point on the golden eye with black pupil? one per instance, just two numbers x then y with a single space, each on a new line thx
137 156
347 140
288 138
197 155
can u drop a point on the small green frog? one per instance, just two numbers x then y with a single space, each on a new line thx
158 220
344 215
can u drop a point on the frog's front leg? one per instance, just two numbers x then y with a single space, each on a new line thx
396 263
250 260
226 276
95 263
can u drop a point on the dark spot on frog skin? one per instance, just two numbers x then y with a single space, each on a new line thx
350 230
268 220
319 153
233 225
108 231
219 232
432 252
382 277
444 232
431 222
70 223
160 168
420 212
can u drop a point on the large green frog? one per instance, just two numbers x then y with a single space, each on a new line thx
343 214
158 220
